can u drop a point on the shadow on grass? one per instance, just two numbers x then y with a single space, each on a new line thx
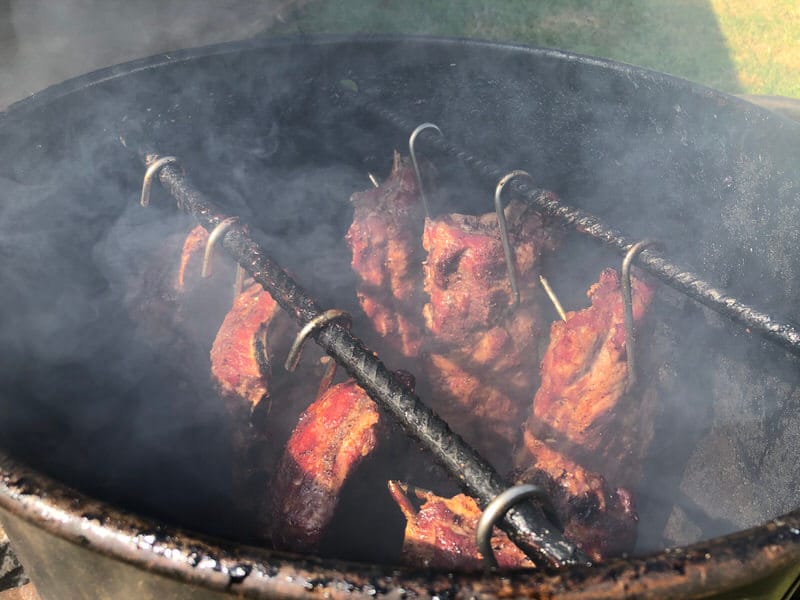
680 37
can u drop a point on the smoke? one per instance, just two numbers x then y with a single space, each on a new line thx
87 396
43 42
263 134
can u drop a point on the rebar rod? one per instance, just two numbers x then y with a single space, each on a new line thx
525 524
778 331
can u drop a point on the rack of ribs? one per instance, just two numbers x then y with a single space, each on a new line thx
332 437
241 369
584 422
587 433
437 290
482 351
387 257
440 532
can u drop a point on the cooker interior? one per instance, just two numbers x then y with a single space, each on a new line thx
96 396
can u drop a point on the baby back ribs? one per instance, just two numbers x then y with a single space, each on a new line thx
387 256
483 353
440 532
465 271
240 361
240 368
585 422
332 437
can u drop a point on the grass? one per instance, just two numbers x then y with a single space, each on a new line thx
764 41
738 46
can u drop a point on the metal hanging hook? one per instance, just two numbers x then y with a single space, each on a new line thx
213 238
627 308
322 319
503 227
411 140
262 347
498 507
553 298
238 283
151 171
327 376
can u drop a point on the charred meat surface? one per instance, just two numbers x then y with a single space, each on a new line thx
440 532
465 271
239 357
240 368
583 399
332 437
585 422
387 257
483 354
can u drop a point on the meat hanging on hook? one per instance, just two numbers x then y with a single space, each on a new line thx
525 524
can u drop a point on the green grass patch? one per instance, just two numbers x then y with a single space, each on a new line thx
694 39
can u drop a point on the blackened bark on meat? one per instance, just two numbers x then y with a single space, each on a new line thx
440 532
587 433
240 368
482 353
465 271
525 524
333 436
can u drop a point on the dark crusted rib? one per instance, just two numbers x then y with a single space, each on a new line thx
526 525
779 332
333 436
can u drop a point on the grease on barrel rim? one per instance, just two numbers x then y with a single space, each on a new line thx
238 573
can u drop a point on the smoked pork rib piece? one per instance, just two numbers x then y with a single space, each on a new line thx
333 436
440 532
240 368
192 257
240 361
483 354
387 257
585 422
465 271
582 401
